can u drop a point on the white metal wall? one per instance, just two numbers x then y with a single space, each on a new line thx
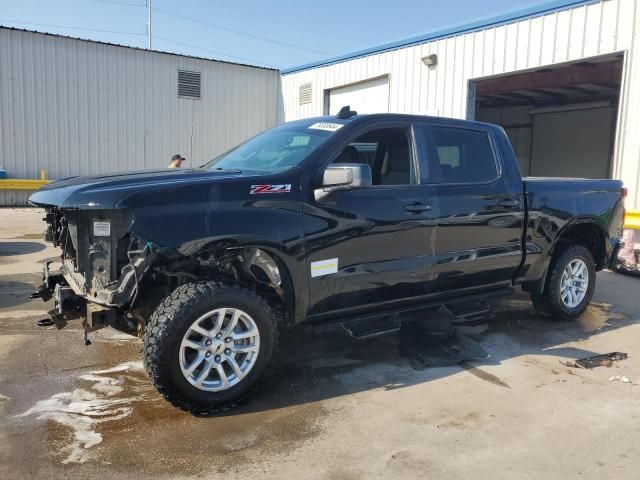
567 35
75 107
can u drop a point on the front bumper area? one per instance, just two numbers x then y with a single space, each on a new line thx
68 305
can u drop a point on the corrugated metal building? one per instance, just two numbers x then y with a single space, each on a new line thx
78 107
563 80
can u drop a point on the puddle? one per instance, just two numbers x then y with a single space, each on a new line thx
102 400
115 417
597 316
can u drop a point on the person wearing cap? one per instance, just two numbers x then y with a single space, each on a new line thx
176 161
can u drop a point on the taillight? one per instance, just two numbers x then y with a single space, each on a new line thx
623 192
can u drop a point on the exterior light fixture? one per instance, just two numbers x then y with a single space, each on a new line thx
430 60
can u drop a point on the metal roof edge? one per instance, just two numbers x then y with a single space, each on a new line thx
474 25
162 52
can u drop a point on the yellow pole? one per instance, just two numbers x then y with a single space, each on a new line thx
43 174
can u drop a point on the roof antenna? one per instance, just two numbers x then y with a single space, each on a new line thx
346 112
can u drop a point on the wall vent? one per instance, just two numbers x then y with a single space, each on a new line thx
305 94
188 84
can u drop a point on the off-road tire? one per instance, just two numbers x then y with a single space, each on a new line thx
549 303
167 326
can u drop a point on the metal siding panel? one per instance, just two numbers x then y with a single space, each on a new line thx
499 49
570 35
477 46
522 48
627 154
458 96
75 107
548 39
624 31
511 47
535 39
563 30
489 52
608 26
578 26
592 30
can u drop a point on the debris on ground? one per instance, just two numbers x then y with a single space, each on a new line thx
604 360
620 378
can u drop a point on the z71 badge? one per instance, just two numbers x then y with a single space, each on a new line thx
259 189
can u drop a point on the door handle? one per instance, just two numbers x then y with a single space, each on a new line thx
417 208
509 202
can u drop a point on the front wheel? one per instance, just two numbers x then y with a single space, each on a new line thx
207 345
570 283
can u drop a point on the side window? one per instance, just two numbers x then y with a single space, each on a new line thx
461 156
387 151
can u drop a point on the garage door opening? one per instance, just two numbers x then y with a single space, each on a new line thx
561 120
370 96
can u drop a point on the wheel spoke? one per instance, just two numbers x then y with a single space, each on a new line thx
574 298
202 376
244 348
194 364
200 330
224 380
233 323
217 325
575 267
243 335
188 343
234 365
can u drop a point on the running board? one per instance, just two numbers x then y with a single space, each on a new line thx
458 312
362 329
468 311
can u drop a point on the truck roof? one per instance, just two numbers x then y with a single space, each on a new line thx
357 118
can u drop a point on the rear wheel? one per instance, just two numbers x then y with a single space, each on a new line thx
208 345
570 283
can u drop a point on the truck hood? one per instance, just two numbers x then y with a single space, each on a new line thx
104 191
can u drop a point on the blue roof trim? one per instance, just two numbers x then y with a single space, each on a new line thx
475 25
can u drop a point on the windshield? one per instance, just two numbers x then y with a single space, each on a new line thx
273 151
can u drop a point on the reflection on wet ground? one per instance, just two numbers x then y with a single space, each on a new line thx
8 249
107 411
99 407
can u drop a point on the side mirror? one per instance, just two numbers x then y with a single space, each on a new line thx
346 175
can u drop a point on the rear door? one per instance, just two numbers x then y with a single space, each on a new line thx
371 247
481 210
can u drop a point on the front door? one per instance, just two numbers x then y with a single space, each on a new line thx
372 247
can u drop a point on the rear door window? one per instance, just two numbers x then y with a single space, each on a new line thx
459 155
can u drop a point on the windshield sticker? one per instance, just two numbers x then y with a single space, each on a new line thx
260 189
328 126
324 267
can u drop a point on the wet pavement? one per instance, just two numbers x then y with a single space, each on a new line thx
397 406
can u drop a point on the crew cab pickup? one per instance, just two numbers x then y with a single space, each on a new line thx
348 219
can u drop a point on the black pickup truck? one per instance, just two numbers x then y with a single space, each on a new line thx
349 219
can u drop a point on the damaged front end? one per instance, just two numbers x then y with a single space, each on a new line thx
108 275
101 266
